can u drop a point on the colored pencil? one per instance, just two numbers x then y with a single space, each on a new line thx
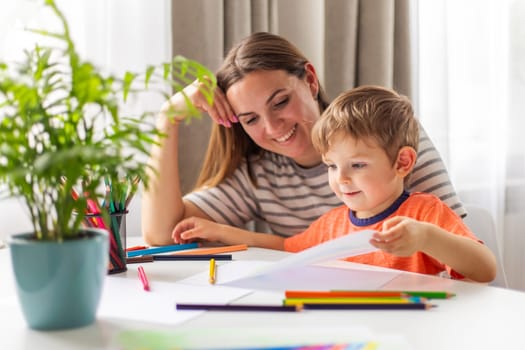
366 294
342 294
299 301
215 250
162 249
238 307
212 271
137 247
409 306
151 258
143 278
430 294
139 259
191 257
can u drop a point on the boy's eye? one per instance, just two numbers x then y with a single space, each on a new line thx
358 165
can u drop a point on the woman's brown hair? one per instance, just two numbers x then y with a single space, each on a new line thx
229 146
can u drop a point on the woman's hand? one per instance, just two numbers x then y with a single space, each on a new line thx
220 110
401 236
197 229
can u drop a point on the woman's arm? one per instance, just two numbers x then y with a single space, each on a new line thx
195 228
162 204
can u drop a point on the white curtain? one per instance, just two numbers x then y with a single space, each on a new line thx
116 35
471 98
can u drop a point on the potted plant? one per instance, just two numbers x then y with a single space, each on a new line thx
64 137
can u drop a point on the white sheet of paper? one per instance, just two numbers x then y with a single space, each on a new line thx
315 277
343 275
227 272
296 271
158 305
346 246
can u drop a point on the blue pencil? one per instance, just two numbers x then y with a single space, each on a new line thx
163 249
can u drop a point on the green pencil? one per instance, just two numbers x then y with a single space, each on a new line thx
430 294
371 293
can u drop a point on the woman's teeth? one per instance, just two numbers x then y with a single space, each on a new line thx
287 136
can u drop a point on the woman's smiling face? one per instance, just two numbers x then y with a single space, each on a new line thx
277 110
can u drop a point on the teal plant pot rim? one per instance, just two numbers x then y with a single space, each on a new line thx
30 238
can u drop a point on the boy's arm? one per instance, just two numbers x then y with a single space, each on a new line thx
404 236
196 228
470 258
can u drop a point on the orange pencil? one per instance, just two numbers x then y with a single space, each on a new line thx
344 294
367 294
214 250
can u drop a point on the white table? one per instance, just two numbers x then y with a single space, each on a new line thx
479 317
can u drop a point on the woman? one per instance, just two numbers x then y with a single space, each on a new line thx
260 163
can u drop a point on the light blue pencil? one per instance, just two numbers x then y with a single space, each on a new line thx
163 249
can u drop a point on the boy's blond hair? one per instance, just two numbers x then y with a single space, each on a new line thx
369 111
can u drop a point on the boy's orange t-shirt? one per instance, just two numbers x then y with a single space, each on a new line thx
420 206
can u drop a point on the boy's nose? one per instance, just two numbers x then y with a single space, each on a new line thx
343 178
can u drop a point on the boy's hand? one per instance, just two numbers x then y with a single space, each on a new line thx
401 236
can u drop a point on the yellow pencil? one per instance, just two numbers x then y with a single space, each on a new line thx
212 271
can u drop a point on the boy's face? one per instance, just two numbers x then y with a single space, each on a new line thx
362 176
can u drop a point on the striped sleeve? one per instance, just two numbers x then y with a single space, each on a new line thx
287 198
231 202
431 176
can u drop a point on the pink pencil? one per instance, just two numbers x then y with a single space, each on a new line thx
143 278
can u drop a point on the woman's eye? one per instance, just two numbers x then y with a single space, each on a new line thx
250 120
281 103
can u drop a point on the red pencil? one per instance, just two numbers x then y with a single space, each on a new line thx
137 247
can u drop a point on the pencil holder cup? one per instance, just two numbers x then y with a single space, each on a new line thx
117 241
117 253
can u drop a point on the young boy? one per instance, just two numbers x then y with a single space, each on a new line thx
368 138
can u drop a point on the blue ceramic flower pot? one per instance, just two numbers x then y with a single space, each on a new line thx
59 284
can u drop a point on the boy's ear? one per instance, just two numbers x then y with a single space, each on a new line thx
406 159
